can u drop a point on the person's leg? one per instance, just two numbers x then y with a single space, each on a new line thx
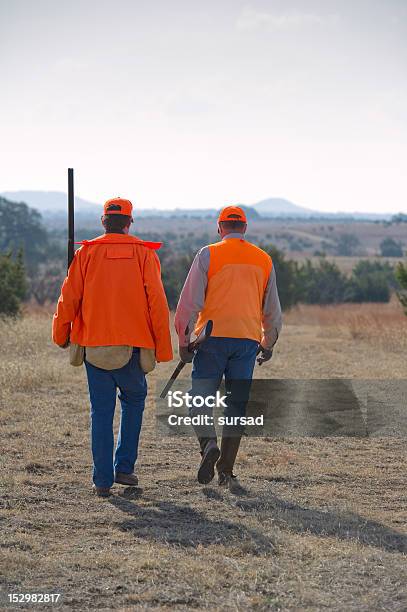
102 391
208 368
207 371
238 376
132 384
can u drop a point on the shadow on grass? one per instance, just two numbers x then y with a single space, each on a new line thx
183 526
344 526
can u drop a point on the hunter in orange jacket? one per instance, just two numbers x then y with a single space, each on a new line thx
113 296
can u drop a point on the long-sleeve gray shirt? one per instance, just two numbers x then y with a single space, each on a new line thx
192 300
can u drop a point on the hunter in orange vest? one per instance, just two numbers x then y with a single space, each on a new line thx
233 284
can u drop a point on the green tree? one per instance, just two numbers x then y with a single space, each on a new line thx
286 273
370 288
365 267
401 276
13 284
21 228
321 284
391 248
174 269
347 245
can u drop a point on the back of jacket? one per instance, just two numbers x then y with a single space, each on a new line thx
113 295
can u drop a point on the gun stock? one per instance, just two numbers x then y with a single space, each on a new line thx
192 347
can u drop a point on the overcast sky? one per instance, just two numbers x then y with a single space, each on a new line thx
199 104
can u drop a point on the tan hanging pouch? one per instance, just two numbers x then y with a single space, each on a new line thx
109 357
147 360
76 354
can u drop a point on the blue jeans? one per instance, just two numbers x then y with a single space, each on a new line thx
233 358
103 385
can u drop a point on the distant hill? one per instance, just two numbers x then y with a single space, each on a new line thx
54 203
251 212
277 207
49 200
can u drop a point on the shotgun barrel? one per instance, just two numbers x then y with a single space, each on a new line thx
71 217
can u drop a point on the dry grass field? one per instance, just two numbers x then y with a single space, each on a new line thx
321 524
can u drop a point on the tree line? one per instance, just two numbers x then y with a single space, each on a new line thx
33 266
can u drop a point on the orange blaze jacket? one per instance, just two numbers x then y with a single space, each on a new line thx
113 295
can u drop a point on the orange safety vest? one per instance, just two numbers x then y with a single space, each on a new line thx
113 295
237 279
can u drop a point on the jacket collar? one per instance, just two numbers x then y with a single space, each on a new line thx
234 235
121 239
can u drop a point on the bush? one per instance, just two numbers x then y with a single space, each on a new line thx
371 288
13 284
21 228
174 270
326 284
347 245
391 248
286 272
321 284
401 276
365 267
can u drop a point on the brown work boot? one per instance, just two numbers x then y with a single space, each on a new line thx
102 491
231 482
130 480
210 455
228 452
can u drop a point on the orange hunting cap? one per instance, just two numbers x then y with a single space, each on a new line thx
232 213
118 206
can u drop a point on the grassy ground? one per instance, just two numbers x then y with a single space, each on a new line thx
322 524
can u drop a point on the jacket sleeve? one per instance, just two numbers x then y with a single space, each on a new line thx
192 298
69 302
158 307
272 318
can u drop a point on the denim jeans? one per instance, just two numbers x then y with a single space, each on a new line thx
233 358
130 380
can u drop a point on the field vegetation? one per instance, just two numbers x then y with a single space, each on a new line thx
316 261
320 525
321 521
